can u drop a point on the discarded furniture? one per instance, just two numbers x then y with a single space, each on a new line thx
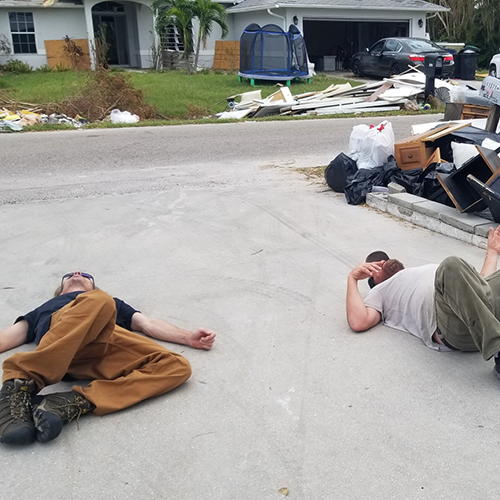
269 53
489 193
463 111
464 196
416 150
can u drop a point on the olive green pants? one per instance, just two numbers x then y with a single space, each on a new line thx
468 307
84 342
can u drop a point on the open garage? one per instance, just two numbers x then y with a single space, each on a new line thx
330 44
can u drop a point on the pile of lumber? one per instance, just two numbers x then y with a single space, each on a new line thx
390 94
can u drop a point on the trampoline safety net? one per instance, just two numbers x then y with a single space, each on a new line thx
269 53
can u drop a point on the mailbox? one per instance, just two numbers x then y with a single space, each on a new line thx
433 65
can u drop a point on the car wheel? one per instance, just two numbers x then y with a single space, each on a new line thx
493 71
395 69
357 69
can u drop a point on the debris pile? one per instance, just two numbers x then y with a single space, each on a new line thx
100 95
405 91
16 121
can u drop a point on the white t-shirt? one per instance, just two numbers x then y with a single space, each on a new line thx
406 302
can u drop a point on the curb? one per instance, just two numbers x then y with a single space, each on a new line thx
434 216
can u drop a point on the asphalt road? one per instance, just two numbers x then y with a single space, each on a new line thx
212 226
81 163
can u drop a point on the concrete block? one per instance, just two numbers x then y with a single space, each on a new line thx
426 221
484 229
405 199
454 232
377 200
479 241
432 208
465 222
395 188
400 211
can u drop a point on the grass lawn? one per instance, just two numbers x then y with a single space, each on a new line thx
174 94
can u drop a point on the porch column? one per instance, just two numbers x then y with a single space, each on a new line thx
90 31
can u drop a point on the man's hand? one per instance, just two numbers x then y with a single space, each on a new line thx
492 251
162 330
494 240
201 339
366 270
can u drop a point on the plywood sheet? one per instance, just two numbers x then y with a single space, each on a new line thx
58 57
226 55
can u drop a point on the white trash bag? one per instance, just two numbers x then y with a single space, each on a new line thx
118 116
356 141
377 146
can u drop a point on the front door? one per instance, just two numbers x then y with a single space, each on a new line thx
113 26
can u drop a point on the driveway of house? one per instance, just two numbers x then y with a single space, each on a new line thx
289 398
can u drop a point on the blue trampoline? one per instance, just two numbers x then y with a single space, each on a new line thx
269 53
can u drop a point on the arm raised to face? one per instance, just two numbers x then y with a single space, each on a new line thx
359 316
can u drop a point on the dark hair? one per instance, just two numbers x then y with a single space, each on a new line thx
391 267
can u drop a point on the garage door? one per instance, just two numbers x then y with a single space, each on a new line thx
344 38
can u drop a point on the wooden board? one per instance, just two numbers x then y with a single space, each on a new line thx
434 158
226 55
58 57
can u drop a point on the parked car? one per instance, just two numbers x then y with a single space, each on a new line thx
495 66
391 56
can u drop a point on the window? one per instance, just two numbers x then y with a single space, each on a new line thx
22 30
172 39
392 46
378 46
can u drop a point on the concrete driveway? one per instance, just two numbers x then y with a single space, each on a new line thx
289 397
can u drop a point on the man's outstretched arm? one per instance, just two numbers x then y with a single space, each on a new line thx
14 335
162 330
492 251
359 316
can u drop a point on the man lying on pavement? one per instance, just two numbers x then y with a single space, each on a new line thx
83 333
449 306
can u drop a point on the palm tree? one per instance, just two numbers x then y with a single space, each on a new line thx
208 12
179 13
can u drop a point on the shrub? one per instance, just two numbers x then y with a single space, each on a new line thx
16 66
44 68
61 67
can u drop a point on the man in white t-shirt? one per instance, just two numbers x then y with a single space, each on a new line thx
450 306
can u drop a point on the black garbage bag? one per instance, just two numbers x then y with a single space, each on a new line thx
362 182
409 179
337 172
430 188
424 183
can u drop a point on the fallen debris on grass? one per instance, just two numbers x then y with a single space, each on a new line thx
405 91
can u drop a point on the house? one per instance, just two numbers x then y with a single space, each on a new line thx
331 28
337 29
29 24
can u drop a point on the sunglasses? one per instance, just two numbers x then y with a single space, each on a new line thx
84 275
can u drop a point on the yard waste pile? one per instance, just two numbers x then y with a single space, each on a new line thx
100 93
405 91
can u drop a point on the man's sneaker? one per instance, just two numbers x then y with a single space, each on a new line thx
57 409
16 420
496 369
